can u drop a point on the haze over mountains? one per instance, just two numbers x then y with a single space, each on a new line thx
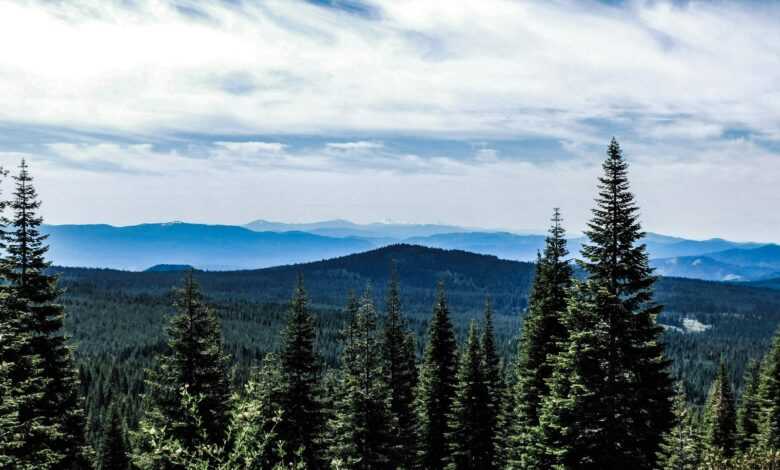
262 244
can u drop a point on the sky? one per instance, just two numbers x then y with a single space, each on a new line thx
484 114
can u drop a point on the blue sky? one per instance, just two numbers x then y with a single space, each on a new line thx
483 113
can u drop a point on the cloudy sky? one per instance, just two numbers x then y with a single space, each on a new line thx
485 113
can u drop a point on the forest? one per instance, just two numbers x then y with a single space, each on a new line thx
387 360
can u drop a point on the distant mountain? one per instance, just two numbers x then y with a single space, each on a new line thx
707 268
211 247
766 256
158 268
501 244
345 228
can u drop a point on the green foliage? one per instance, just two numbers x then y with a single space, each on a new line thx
114 453
681 445
720 420
769 397
493 433
749 408
436 389
540 339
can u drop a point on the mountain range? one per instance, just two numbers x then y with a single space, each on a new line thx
263 244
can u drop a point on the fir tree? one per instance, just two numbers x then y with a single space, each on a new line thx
32 302
436 389
540 337
769 397
113 450
400 372
720 421
195 363
363 422
302 414
495 393
469 448
681 446
614 390
749 408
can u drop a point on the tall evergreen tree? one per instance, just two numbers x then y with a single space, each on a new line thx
540 338
113 450
769 397
681 446
469 448
614 385
363 421
720 420
749 408
302 413
436 389
195 362
32 300
400 372
492 372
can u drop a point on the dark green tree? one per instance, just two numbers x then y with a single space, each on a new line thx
436 388
681 446
363 422
749 408
194 362
469 447
615 391
114 450
492 373
769 397
540 338
302 416
32 301
400 372
720 419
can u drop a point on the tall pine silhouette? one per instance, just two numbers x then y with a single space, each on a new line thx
769 397
492 373
749 408
400 372
31 305
436 390
113 450
610 397
720 420
681 447
540 338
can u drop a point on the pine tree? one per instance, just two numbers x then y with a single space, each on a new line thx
301 410
363 422
613 389
195 363
681 446
113 450
769 397
32 301
400 372
469 448
495 386
436 389
540 337
749 408
720 420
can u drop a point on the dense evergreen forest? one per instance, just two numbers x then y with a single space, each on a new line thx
387 360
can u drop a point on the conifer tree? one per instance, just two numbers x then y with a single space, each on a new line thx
469 448
611 386
681 446
400 372
769 397
301 421
749 408
31 301
113 450
540 337
492 372
363 422
436 389
720 421
195 363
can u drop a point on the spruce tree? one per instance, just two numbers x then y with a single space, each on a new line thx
31 304
113 450
469 448
681 446
363 421
436 388
400 372
301 421
720 420
492 372
195 363
613 389
769 397
540 338
749 408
